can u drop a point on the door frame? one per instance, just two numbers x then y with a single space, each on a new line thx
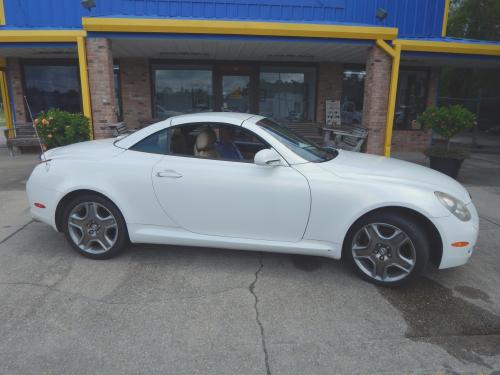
236 69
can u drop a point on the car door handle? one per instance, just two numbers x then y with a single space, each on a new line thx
169 173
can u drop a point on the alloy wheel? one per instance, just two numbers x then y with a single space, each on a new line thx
92 227
383 252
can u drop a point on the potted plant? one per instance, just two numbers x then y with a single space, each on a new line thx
59 128
446 122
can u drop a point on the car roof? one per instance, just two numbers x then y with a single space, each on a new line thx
234 118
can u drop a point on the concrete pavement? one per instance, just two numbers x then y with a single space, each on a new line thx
174 310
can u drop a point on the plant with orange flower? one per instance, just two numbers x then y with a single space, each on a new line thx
59 128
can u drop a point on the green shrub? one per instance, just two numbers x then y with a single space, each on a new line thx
59 128
447 122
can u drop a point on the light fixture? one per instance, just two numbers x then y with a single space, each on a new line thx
88 4
381 14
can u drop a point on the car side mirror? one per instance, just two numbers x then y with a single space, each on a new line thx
268 157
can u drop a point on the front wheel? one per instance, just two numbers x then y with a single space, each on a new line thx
95 227
387 249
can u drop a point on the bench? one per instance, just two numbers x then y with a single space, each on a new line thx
308 130
350 138
119 129
24 136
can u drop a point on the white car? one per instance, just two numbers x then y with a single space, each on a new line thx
241 181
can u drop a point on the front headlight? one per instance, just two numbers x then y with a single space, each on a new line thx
455 206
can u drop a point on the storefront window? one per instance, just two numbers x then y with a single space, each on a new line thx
411 98
52 86
353 90
287 94
182 90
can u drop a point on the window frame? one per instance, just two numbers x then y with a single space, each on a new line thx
48 62
169 138
131 148
179 65
409 68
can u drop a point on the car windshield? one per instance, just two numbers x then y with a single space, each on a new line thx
301 146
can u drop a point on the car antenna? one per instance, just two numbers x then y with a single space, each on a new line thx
42 156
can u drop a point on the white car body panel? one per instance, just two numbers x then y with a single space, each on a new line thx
233 199
298 207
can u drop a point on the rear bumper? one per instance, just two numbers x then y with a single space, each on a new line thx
453 230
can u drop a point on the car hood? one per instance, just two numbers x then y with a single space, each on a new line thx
354 165
90 150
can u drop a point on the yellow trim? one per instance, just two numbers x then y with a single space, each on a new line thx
386 47
7 110
445 17
40 36
391 106
84 81
445 47
2 13
144 25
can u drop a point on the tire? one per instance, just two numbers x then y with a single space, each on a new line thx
94 226
387 248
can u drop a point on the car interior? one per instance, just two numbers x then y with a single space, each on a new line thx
214 141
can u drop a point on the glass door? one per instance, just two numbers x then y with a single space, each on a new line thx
235 88
236 93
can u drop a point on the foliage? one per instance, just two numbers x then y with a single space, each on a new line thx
447 122
475 19
59 128
472 19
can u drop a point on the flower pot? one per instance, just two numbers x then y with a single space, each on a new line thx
448 166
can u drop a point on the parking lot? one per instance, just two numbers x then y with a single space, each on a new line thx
175 310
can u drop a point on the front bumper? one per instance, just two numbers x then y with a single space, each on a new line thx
40 194
453 230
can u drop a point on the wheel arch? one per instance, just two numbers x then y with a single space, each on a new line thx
70 195
429 227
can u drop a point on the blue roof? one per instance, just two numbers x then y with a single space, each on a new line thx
411 17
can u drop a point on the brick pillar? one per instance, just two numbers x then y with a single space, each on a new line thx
377 81
101 82
15 78
329 87
135 90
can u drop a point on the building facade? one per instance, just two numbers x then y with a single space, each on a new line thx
140 60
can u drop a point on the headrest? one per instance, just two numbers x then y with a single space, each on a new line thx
206 140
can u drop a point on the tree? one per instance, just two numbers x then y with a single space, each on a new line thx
475 19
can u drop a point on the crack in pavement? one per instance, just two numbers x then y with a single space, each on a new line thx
251 288
16 231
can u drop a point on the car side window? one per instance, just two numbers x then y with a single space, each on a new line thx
155 143
215 141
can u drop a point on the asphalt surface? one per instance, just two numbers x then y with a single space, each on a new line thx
175 310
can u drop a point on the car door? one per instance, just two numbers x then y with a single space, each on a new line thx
234 198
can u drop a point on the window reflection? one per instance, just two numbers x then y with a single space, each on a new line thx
52 86
287 94
353 87
182 90
235 91
411 98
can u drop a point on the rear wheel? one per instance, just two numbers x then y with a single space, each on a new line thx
387 249
95 227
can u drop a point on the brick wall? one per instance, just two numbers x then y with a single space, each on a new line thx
101 82
410 140
15 77
329 87
377 80
135 91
